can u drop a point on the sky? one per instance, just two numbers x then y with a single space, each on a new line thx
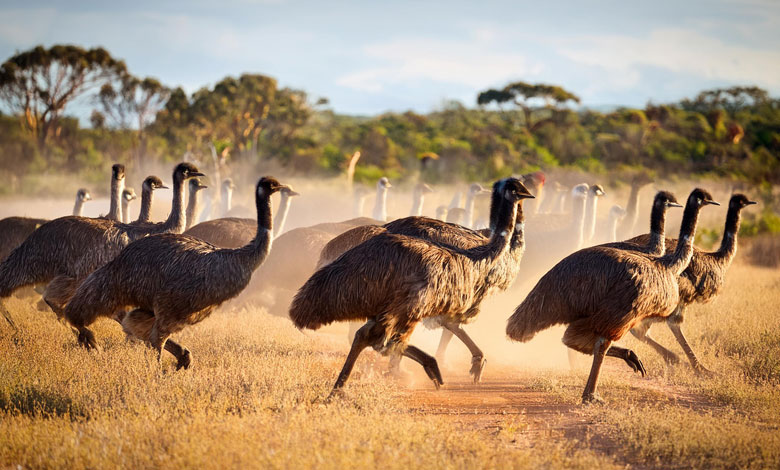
369 57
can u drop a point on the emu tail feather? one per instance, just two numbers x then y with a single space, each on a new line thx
95 297
536 313
327 297
20 269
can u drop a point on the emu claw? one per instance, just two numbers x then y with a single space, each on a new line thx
477 365
184 361
432 369
633 362
87 339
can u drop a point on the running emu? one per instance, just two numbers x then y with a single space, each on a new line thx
172 281
700 282
395 281
64 251
603 292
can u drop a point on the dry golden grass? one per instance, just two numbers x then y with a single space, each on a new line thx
254 398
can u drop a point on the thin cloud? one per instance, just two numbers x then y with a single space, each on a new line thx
678 51
405 61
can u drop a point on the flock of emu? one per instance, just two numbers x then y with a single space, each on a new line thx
156 278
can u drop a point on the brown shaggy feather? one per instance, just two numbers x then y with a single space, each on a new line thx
67 249
176 278
602 292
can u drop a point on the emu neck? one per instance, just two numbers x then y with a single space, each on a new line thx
254 253
590 216
677 261
227 200
192 209
500 238
380 207
657 243
125 211
117 186
469 222
612 226
176 219
281 214
359 204
146 205
728 246
78 207
561 202
417 204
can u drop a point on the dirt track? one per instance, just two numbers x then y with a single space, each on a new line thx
511 404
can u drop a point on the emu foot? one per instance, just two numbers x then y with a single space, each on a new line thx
477 366
184 360
702 371
592 399
335 394
87 339
432 369
633 362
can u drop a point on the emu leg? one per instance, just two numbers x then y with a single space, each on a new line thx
600 349
183 356
629 356
640 332
444 341
478 360
353 328
59 292
428 362
365 336
674 325
157 338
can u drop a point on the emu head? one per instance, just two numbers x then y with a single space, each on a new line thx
118 171
269 185
597 190
196 185
580 191
665 199
740 201
384 183
185 171
129 194
700 197
152 182
83 195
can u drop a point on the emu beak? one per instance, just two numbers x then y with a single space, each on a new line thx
163 187
673 204
293 193
203 186
712 203
750 203
197 173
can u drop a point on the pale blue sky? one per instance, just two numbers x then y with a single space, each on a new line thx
368 57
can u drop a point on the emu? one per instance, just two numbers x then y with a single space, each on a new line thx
701 282
171 281
395 281
602 292
64 251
